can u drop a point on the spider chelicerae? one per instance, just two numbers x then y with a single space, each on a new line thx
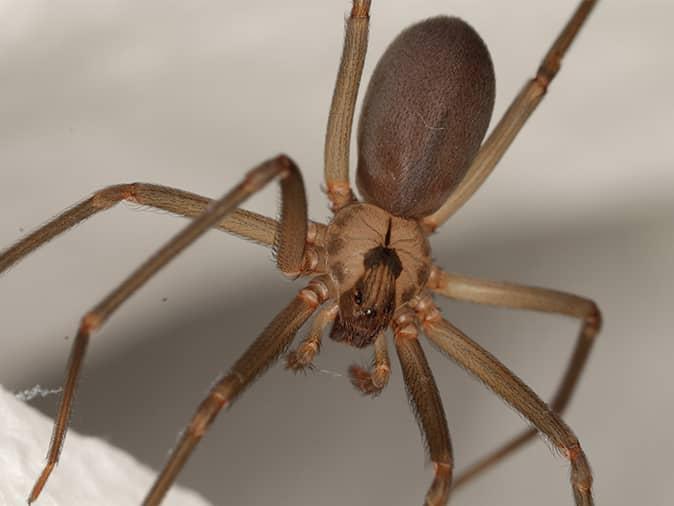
420 158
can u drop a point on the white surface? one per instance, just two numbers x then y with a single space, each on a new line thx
91 472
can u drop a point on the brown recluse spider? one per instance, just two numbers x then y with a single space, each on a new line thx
420 158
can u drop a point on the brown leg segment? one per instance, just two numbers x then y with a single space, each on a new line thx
427 405
510 388
373 381
301 358
245 224
513 120
340 120
260 355
293 227
514 296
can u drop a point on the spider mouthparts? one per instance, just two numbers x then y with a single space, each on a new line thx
352 335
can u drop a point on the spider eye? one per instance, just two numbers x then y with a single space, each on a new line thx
370 312
358 297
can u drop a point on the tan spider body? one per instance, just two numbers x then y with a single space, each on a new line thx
421 157
355 232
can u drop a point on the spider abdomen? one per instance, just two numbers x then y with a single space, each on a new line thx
425 113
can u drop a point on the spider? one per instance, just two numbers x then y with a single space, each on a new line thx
421 156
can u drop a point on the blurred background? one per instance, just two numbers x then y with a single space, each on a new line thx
193 94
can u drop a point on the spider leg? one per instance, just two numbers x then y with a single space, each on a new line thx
290 243
258 357
427 405
516 296
246 224
513 120
340 120
373 381
300 359
511 389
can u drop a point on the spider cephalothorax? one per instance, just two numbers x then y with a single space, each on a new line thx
378 262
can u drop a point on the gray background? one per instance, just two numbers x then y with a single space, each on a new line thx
191 95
